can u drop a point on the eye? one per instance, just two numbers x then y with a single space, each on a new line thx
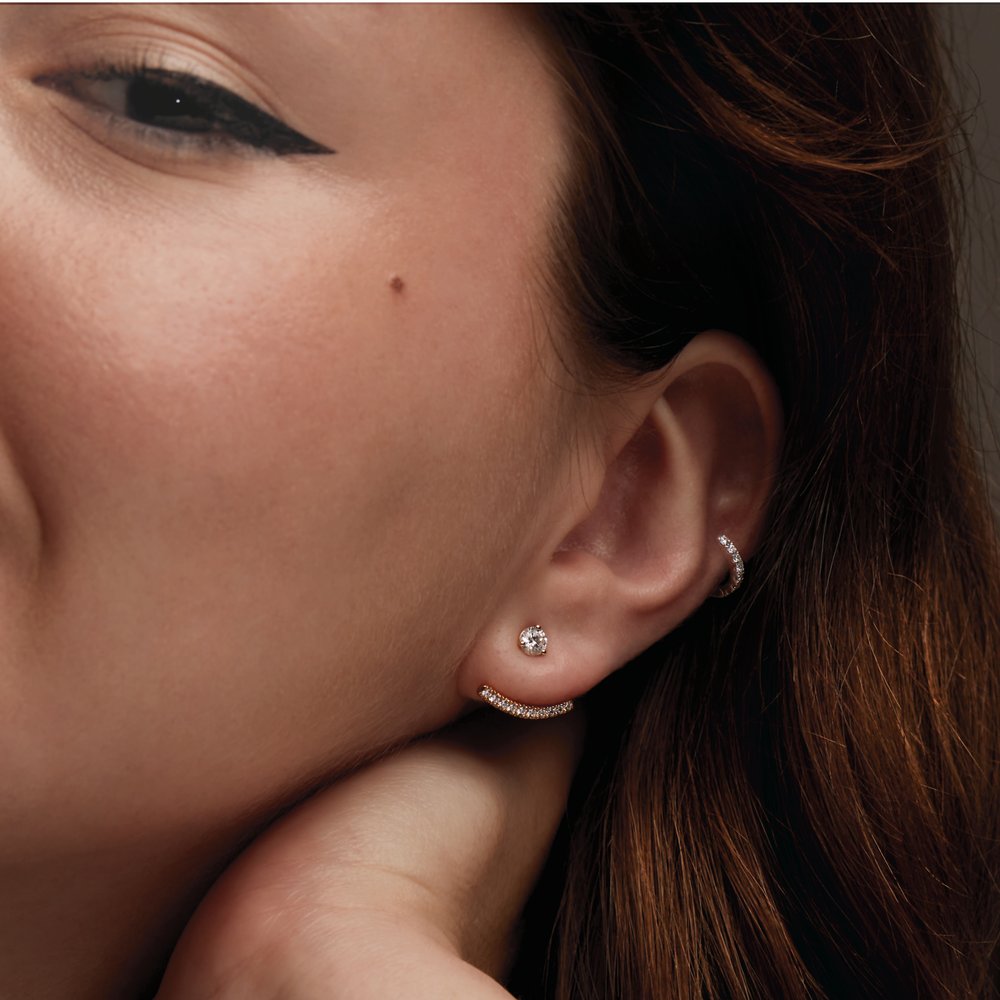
178 109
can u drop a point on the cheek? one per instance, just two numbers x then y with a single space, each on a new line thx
186 348
265 475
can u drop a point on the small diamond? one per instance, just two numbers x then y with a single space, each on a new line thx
533 641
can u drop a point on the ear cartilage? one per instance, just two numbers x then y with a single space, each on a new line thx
735 570
493 697
533 641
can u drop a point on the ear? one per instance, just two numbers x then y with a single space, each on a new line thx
688 455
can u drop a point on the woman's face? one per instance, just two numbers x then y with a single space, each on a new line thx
271 425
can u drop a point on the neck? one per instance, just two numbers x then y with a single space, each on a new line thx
101 926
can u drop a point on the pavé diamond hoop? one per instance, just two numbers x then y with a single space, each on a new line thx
735 571
533 641
515 708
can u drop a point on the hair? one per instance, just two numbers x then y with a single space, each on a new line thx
795 793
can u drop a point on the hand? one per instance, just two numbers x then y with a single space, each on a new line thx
404 879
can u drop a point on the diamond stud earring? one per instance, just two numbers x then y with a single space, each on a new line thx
533 641
735 570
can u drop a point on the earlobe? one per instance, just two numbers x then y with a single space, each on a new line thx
691 462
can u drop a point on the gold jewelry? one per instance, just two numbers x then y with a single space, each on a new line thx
515 708
736 570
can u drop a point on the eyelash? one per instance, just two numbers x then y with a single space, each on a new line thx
233 124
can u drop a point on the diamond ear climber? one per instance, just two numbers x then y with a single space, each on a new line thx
533 642
493 697
736 570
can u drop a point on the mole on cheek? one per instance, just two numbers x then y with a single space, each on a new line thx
396 283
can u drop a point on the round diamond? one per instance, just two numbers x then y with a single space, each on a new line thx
533 641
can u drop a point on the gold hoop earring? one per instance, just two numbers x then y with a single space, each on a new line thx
736 569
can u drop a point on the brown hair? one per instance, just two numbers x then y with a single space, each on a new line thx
795 793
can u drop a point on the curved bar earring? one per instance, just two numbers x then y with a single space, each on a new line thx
493 697
736 570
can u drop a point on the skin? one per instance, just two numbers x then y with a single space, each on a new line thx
366 890
232 459
288 453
